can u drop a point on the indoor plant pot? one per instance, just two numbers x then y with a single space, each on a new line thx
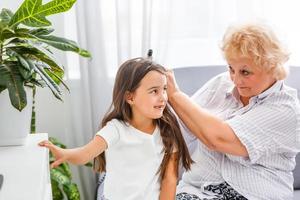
15 128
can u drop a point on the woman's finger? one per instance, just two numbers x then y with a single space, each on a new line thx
171 83
170 72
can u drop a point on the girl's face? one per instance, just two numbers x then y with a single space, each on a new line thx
249 79
150 98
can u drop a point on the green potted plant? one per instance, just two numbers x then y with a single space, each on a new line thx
61 178
27 61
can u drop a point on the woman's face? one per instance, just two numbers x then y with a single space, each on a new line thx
249 79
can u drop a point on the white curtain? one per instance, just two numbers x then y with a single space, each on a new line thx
180 32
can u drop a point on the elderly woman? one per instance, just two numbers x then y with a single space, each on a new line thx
245 123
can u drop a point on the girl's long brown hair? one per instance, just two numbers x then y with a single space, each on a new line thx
128 79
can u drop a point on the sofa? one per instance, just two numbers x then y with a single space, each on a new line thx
190 79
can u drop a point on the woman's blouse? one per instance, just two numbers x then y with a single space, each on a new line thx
269 128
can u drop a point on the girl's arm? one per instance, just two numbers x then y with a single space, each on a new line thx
78 156
169 181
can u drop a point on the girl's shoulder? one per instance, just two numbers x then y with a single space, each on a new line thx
119 124
112 132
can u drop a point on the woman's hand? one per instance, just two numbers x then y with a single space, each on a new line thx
171 84
59 154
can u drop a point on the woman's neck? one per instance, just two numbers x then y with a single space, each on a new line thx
244 100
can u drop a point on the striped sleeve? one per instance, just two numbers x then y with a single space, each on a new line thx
266 129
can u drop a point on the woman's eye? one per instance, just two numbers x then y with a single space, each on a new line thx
154 91
245 72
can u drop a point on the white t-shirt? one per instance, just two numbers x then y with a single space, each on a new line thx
132 161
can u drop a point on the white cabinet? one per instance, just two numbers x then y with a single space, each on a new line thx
26 170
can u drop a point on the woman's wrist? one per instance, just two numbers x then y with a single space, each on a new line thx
174 95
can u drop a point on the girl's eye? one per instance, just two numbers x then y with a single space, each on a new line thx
153 91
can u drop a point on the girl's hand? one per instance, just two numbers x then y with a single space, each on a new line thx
58 153
171 83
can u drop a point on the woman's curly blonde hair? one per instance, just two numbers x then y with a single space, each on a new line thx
259 43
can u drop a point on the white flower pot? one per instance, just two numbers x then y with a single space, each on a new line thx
14 125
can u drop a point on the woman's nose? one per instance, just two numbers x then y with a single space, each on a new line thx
236 79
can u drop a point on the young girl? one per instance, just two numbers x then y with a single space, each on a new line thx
140 136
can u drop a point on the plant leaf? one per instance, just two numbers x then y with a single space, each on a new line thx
65 168
54 41
41 60
2 88
6 33
72 191
50 83
33 13
56 191
89 164
59 177
18 35
10 77
56 6
63 44
38 83
57 143
25 73
57 77
23 33
27 70
41 31
22 60
46 55
28 14
5 16
39 54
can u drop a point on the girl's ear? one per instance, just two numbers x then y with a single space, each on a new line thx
129 97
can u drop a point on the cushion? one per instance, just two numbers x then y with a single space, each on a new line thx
296 173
